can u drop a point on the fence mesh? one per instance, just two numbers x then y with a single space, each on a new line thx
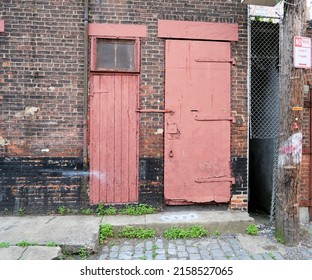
264 87
264 83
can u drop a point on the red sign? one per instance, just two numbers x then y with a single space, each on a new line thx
302 52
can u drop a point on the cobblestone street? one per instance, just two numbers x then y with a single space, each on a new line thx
224 247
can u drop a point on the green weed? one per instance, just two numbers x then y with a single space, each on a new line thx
191 232
252 229
102 211
21 211
25 244
132 232
217 232
136 210
154 255
83 253
271 255
6 211
63 210
106 231
51 244
4 245
87 211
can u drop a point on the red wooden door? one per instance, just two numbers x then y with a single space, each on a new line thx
197 133
113 138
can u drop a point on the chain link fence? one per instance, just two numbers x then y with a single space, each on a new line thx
264 82
264 61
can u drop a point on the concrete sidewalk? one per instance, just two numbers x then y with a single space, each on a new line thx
74 232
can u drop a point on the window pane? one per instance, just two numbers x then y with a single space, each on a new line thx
115 54
106 54
125 55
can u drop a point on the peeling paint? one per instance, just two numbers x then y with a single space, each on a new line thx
159 131
51 88
45 150
4 142
31 110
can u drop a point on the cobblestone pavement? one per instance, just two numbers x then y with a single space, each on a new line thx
224 247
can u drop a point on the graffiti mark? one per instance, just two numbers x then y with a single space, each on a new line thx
291 151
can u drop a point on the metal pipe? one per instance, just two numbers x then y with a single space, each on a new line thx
85 179
85 85
310 144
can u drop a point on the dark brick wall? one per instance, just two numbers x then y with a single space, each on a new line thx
41 78
40 185
151 188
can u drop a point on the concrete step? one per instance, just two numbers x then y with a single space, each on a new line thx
223 221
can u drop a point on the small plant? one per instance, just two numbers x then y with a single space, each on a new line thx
21 211
155 247
154 255
217 232
132 232
4 245
63 210
191 232
271 255
6 211
143 258
106 231
252 229
102 211
25 244
87 211
52 244
280 240
83 253
136 210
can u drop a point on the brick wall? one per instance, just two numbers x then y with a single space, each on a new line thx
41 81
41 78
41 104
305 183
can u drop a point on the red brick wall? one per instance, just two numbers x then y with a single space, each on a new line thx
305 189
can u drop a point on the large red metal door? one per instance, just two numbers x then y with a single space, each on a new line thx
113 138
197 132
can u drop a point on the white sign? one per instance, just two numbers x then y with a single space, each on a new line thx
302 52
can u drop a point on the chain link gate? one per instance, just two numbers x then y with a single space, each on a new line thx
264 61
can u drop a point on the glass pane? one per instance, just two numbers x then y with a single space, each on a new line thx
105 54
125 55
